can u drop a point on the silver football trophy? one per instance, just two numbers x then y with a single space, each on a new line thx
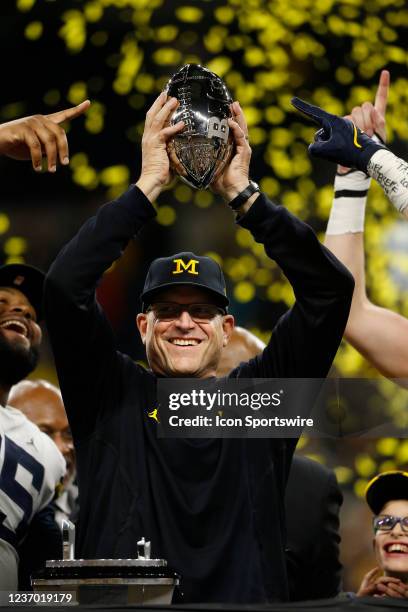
200 152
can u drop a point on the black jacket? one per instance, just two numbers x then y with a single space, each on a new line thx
213 508
313 499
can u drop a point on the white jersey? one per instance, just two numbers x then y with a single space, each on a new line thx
31 467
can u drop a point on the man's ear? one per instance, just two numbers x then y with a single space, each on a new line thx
141 322
228 325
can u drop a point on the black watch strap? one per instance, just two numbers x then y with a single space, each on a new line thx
242 197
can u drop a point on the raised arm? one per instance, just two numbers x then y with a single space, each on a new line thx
306 339
377 333
82 340
343 142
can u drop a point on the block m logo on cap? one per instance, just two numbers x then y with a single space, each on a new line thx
189 267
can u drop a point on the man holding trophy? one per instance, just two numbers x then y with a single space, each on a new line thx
213 508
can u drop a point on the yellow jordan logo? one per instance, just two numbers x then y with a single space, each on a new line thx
355 138
189 267
153 415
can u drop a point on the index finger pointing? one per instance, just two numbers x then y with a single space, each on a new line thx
315 113
381 97
69 113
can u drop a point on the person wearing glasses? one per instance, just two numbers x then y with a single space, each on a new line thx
387 497
213 508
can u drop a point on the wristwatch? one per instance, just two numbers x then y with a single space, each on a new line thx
242 197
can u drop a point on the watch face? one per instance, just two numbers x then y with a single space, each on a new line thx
200 152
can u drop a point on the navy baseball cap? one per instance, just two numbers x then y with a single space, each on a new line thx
386 487
28 280
184 269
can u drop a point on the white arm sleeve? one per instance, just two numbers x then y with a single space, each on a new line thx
391 172
348 208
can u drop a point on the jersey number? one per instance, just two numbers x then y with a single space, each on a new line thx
14 456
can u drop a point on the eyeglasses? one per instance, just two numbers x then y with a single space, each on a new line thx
386 522
200 313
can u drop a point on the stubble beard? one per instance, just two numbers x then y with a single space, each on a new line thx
16 362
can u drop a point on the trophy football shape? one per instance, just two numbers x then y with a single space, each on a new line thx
200 152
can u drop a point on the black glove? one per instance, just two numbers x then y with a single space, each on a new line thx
339 140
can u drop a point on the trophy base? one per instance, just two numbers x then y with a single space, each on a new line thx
109 581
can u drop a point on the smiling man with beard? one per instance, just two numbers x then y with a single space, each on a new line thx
20 338
30 464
